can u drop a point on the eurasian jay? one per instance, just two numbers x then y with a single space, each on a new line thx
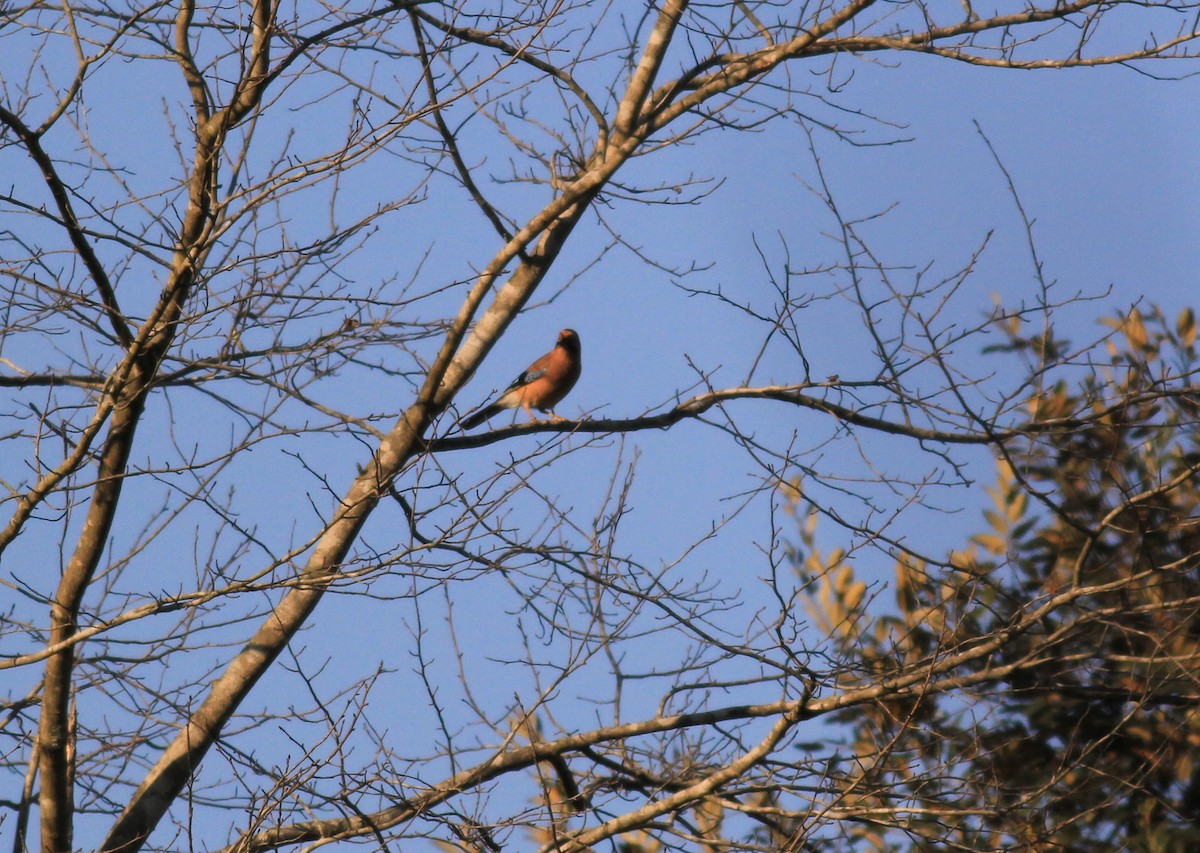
542 385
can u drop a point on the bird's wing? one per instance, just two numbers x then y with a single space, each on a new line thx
528 375
534 372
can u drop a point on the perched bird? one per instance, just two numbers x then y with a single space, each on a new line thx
542 385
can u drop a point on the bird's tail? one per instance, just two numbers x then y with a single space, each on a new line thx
480 416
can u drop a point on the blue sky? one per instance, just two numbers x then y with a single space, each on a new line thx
1103 161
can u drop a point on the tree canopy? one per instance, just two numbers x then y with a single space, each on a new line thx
1077 729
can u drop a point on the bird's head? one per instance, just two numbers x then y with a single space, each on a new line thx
568 339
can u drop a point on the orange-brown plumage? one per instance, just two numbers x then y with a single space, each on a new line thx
542 385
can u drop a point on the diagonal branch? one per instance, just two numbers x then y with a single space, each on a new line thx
629 112
71 224
448 137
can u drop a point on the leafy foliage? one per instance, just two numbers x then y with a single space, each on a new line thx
1081 730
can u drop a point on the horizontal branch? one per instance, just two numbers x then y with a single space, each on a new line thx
51 380
794 395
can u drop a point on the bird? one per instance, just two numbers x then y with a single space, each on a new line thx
542 385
